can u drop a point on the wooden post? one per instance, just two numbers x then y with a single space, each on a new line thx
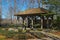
47 23
24 22
28 20
32 22
52 21
41 22
18 18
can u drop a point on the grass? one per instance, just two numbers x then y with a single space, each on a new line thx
7 34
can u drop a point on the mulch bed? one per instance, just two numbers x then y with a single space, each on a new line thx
57 33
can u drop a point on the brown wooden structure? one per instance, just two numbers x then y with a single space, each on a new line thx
36 16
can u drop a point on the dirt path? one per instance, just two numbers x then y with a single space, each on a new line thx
29 35
9 39
56 33
51 36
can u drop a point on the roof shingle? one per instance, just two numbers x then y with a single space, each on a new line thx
32 11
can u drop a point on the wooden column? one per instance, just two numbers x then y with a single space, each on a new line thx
47 22
24 22
32 21
41 22
18 18
29 21
52 21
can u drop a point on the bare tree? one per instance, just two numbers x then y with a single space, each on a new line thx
39 3
15 8
11 13
0 11
32 3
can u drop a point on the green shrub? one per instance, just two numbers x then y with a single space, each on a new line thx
3 32
39 29
10 34
56 24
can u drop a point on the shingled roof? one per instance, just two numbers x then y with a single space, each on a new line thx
32 11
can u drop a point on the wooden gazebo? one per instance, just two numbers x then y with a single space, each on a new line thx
31 15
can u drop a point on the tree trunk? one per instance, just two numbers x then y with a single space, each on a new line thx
0 11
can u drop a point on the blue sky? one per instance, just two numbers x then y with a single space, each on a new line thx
20 6
5 7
